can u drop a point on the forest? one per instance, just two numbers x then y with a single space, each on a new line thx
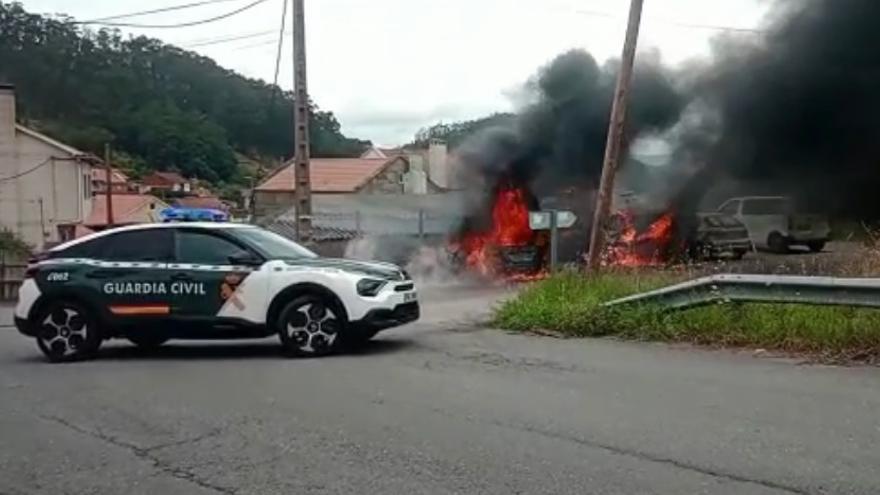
159 106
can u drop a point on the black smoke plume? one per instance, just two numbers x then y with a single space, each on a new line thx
798 109
560 138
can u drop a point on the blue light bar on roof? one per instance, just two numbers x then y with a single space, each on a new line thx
193 215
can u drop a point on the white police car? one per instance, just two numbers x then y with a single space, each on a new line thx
155 282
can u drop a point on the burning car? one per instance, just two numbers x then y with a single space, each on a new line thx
651 238
502 245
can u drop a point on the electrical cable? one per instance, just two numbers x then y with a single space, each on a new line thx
154 11
22 174
181 25
217 41
280 43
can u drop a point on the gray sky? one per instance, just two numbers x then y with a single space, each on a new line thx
388 67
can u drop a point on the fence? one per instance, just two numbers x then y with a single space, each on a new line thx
340 226
11 276
386 236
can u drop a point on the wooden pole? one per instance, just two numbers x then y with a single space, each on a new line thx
615 137
108 177
302 173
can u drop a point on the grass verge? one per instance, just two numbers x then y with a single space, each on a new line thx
570 304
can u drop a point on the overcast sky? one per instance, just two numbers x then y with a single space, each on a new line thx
389 67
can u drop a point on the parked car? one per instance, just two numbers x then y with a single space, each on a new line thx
774 223
718 235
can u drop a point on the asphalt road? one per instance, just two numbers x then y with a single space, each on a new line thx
438 407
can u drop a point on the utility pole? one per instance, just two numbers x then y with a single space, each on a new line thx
108 175
42 224
302 172
615 137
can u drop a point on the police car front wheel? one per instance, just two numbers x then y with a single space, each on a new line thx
67 331
311 325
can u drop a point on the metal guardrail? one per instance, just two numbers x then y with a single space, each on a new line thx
863 292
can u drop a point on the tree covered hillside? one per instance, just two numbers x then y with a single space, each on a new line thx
164 107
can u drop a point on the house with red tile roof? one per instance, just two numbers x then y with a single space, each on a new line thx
128 209
165 181
381 176
119 180
209 202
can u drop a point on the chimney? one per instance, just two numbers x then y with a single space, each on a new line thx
438 168
7 119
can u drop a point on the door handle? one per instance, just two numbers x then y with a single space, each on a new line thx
102 274
178 277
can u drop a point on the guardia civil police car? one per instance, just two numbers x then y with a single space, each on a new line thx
155 282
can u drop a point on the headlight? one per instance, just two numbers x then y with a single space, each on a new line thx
369 286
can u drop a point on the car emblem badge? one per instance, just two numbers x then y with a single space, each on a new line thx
228 290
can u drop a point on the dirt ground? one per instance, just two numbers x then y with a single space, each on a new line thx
839 258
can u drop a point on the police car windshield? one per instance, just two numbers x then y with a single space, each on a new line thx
273 245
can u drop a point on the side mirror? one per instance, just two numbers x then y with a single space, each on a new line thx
245 259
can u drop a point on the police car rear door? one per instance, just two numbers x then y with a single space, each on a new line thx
206 272
131 273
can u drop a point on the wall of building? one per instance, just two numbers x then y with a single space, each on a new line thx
389 181
56 193
273 201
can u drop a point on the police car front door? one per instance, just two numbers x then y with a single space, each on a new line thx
204 278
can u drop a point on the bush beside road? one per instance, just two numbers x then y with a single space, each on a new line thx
570 305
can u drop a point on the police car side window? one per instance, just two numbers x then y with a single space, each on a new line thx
137 246
205 249
87 249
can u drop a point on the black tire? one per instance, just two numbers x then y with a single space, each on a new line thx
67 331
816 246
311 325
146 340
777 243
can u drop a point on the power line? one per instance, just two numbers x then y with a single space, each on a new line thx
22 174
185 24
154 11
690 25
280 43
254 45
712 27
217 41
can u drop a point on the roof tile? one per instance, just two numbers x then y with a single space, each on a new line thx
329 174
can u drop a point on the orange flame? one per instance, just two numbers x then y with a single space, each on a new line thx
510 227
647 248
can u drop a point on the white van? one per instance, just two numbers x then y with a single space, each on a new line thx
773 224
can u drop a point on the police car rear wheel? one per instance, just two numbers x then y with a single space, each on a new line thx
67 331
311 325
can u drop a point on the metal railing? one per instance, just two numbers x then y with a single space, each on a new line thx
833 291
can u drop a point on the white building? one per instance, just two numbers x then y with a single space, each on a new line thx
45 186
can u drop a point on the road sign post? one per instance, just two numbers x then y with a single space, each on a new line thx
554 240
552 220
